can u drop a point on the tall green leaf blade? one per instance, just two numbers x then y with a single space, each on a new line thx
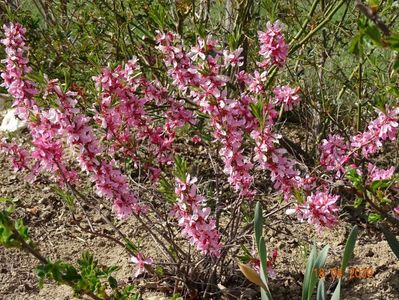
321 290
263 258
319 263
392 241
349 247
309 272
265 295
337 293
258 223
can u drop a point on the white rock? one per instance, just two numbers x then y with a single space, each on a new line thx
11 123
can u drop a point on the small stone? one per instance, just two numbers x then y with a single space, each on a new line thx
43 200
101 244
280 245
369 253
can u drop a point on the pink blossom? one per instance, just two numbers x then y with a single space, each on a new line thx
140 261
272 45
255 264
200 72
196 139
384 127
20 157
307 183
319 209
256 82
126 120
396 212
386 124
20 89
194 217
109 181
286 96
233 58
47 150
375 173
367 141
334 153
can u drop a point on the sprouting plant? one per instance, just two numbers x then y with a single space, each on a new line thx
88 278
316 261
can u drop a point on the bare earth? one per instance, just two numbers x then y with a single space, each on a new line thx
53 229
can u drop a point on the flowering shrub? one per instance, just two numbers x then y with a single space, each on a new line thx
128 144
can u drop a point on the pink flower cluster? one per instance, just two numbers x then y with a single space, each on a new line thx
49 127
124 95
287 97
337 153
269 156
272 45
124 111
20 89
375 173
384 127
194 217
109 181
319 209
20 157
334 153
47 153
197 74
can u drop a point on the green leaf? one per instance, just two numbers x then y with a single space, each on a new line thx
354 177
263 259
265 294
393 41
337 293
180 168
358 202
355 45
309 273
159 271
112 282
66 196
167 189
349 247
380 184
258 223
321 290
374 217
130 246
257 111
392 241
318 264
374 34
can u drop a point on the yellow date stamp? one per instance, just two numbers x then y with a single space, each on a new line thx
354 272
